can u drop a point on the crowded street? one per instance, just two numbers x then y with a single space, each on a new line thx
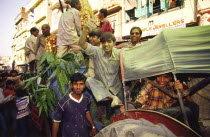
105 68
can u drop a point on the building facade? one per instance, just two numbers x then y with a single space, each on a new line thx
18 52
155 15
34 14
5 63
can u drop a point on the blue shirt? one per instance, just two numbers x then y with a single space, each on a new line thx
72 114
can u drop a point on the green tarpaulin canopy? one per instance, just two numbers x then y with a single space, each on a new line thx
179 50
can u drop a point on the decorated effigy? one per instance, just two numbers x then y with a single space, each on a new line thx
51 44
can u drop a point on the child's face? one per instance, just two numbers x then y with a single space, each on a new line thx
94 40
11 86
13 74
36 33
108 45
1 84
163 80
78 87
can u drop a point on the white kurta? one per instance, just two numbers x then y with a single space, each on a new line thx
69 28
30 46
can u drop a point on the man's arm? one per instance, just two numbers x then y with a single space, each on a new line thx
89 118
142 98
83 37
27 48
14 78
37 44
55 128
7 99
120 46
77 22
57 116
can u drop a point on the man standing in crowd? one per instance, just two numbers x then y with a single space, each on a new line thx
105 25
30 46
69 28
74 111
135 35
41 41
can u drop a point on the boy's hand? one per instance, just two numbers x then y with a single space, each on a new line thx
94 132
178 85
90 24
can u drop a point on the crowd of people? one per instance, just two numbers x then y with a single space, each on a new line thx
14 105
102 80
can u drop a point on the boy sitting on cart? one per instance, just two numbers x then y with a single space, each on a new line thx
152 98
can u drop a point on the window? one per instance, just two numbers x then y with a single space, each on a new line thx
156 6
131 14
175 3
146 8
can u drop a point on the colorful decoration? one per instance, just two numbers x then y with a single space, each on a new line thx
50 45
86 11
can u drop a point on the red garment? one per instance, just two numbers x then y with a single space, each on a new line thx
106 27
8 92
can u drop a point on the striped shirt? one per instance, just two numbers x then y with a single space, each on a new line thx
22 106
106 68
157 99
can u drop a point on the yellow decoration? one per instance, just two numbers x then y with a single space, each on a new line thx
50 44
86 11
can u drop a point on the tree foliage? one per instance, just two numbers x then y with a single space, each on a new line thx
51 67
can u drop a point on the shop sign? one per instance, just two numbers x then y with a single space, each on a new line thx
157 28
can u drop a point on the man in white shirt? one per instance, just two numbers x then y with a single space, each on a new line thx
30 46
69 28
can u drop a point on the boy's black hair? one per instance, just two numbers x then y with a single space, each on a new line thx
104 11
138 28
4 74
169 74
20 92
46 26
33 30
13 71
77 77
106 36
73 3
9 82
95 32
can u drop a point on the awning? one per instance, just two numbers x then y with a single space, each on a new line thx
179 50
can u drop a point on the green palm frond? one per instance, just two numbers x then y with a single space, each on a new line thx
50 67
